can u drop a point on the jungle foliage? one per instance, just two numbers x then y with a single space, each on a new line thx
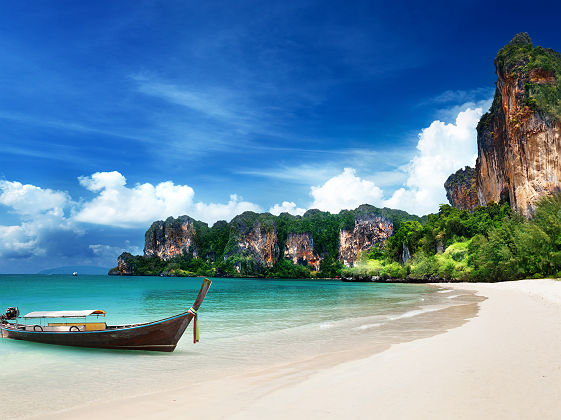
490 244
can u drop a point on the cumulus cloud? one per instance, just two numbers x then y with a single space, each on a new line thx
441 150
212 212
287 207
41 211
119 205
345 191
29 200
15 242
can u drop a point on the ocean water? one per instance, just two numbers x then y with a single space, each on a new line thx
245 324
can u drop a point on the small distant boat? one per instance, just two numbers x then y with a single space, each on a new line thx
75 273
161 335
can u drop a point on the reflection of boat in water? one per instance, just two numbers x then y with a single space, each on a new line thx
75 273
161 335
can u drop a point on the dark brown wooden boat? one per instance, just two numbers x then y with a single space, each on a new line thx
161 335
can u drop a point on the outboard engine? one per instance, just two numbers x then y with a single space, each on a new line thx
11 313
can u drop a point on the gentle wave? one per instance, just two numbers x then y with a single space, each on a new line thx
366 326
445 291
416 312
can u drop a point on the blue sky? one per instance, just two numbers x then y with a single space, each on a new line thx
114 114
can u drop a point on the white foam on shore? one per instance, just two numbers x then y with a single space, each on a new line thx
325 325
366 326
416 312
445 291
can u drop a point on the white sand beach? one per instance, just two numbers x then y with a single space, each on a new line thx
505 363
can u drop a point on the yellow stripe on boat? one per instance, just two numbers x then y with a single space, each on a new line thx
89 326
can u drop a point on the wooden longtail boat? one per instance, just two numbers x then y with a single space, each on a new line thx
161 335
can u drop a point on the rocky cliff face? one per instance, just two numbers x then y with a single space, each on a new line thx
299 248
124 266
368 231
252 242
519 139
461 190
166 239
256 241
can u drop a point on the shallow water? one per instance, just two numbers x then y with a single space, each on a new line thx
245 324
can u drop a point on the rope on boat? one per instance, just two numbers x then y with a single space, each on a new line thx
195 314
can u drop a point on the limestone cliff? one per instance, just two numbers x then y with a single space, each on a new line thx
299 248
166 239
461 190
254 244
124 265
369 229
254 239
519 139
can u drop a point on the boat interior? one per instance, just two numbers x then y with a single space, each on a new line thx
69 326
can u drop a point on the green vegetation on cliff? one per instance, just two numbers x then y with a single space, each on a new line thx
462 177
539 67
490 244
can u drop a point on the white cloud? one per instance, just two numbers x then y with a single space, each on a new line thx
286 207
16 242
442 149
345 191
212 212
118 205
122 206
41 211
30 200
103 180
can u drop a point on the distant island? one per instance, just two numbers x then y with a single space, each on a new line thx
504 222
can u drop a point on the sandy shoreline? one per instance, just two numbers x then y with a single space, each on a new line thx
504 363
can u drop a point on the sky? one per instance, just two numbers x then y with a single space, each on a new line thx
116 114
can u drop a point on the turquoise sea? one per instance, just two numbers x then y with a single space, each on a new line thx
245 324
